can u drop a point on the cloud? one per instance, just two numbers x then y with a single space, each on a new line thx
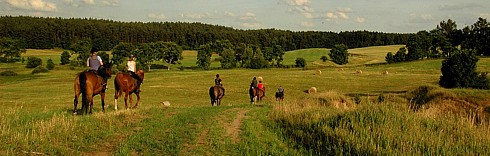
38 5
157 16
110 2
251 25
249 17
89 2
360 20
423 18
229 14
307 24
302 7
338 14
457 7
193 16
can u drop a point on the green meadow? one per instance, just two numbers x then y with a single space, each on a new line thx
372 113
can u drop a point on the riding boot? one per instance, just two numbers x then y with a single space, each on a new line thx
138 88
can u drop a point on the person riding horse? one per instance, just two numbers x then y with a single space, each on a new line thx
131 66
94 62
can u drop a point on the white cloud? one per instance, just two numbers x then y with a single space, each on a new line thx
343 15
89 2
485 15
251 25
38 5
249 17
360 20
230 14
344 10
339 14
111 2
302 7
307 24
423 18
157 16
193 16
298 2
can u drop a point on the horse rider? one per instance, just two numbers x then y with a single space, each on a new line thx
217 81
280 91
254 83
261 87
131 67
94 62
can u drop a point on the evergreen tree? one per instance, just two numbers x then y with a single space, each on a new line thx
65 58
390 58
300 62
50 64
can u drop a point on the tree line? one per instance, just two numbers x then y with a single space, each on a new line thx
47 33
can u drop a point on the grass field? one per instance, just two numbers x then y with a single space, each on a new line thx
36 117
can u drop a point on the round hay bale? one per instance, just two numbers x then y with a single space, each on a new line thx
385 72
260 79
166 103
358 71
312 90
340 69
318 72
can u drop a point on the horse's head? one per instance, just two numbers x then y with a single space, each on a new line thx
141 74
105 70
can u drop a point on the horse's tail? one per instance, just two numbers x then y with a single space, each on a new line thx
116 85
212 95
83 87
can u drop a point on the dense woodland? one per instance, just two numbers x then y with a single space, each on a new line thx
46 33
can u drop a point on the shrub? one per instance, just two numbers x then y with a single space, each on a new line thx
300 62
8 73
65 58
390 58
33 62
324 58
39 69
50 64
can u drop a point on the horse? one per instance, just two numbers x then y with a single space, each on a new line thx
124 82
279 96
256 94
216 93
89 84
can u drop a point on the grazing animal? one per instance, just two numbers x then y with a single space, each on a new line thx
89 84
216 93
256 94
279 96
125 83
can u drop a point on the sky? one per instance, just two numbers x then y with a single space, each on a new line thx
391 16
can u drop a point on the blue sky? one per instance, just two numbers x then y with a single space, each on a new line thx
398 16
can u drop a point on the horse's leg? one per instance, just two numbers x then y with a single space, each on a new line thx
126 94
130 101
91 102
75 103
102 98
137 100
116 95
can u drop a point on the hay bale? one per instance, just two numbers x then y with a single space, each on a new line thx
340 69
166 103
358 71
318 72
312 90
385 72
260 79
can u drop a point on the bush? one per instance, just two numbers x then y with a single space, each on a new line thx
39 69
300 62
324 58
33 62
50 64
65 58
8 73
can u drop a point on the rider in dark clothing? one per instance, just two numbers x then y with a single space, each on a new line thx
254 83
217 81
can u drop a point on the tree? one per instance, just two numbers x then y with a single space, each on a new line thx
50 64
228 60
33 62
82 48
65 57
400 55
324 58
390 58
300 62
339 54
414 52
204 54
169 52
459 71
10 50
104 56
120 52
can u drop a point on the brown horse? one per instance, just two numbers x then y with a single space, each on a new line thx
216 93
124 82
256 94
89 84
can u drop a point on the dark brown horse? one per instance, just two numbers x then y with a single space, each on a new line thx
216 93
89 84
280 96
124 82
256 94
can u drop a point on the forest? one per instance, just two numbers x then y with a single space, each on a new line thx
48 33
